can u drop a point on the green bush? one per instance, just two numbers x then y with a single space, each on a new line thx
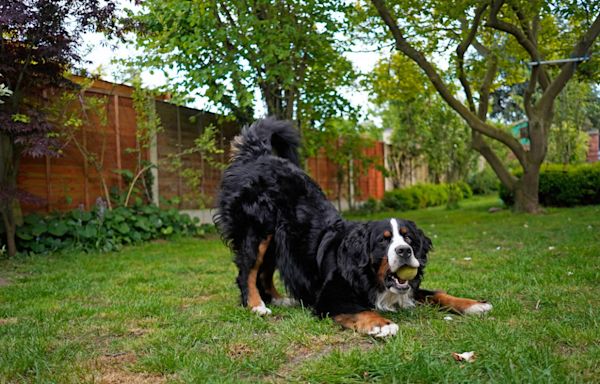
564 185
425 195
101 229
368 207
466 190
484 182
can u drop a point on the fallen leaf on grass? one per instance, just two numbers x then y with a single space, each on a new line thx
465 356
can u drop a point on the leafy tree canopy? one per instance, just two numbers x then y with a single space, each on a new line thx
38 42
289 51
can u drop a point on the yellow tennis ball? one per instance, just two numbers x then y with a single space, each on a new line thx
407 272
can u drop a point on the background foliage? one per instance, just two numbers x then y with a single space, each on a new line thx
227 51
564 185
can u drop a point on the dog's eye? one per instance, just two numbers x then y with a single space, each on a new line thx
387 235
407 239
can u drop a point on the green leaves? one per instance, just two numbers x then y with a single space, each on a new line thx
57 228
107 231
289 51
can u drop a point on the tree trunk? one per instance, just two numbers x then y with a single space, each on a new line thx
527 190
8 182
10 226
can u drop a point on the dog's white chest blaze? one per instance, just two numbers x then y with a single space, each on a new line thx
390 301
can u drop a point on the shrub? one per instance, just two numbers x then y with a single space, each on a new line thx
466 190
484 182
425 195
101 229
564 185
368 207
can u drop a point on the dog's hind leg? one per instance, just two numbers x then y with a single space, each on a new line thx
254 300
268 291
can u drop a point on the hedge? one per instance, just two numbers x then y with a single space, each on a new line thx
425 195
484 182
102 230
564 185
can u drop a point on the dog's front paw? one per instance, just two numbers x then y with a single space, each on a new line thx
478 308
384 331
261 309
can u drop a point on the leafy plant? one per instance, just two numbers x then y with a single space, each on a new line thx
104 230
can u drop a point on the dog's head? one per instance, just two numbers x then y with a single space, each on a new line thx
394 244
372 254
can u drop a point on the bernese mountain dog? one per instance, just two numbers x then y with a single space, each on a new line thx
273 216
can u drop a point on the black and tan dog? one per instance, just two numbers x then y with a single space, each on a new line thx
274 216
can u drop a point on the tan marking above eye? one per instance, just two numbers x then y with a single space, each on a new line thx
404 230
387 234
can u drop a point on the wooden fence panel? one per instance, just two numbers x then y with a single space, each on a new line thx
68 182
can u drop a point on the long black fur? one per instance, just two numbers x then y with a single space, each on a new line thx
324 261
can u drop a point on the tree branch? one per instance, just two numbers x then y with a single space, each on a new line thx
568 69
474 122
533 78
522 37
460 53
479 144
484 90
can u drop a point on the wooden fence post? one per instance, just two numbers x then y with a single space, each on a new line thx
118 138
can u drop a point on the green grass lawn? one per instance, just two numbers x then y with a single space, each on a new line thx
169 312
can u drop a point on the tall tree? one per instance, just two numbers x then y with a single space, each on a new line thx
493 40
425 130
38 42
228 50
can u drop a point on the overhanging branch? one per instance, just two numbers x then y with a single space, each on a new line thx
460 53
522 37
568 69
474 122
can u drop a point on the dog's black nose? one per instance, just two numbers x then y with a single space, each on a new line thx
403 250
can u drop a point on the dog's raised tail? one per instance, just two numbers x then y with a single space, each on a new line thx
267 136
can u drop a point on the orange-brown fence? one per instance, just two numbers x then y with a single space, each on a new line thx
69 181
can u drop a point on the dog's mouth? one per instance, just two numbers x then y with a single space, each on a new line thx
394 283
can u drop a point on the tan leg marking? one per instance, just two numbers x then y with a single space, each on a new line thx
254 299
458 304
368 322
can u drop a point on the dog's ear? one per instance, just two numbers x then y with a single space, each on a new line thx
325 246
354 249
423 243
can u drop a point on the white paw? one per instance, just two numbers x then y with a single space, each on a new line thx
261 309
478 309
285 302
386 330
